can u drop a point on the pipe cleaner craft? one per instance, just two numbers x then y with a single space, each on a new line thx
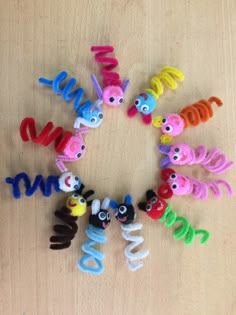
99 220
145 103
67 182
88 114
156 208
177 184
73 147
173 125
182 154
125 214
113 90
76 206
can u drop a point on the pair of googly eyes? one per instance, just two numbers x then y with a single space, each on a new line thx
168 128
144 108
112 100
78 155
149 206
174 186
104 216
121 210
80 199
94 119
176 156
76 186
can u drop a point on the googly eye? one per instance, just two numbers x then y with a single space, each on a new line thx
76 187
154 200
121 100
173 176
174 186
93 119
148 208
177 150
77 178
137 102
82 147
75 196
122 209
176 157
108 216
168 128
144 108
78 155
82 201
164 121
112 99
102 216
100 116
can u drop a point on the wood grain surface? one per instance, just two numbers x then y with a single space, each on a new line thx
42 37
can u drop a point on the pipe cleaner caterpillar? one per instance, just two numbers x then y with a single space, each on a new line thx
66 182
145 103
173 125
125 214
177 184
99 220
156 208
113 90
182 154
73 147
76 206
88 114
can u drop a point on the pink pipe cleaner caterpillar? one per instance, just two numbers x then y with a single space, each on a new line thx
113 90
182 154
173 124
177 184
73 147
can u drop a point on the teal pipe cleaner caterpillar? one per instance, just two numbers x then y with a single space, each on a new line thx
156 208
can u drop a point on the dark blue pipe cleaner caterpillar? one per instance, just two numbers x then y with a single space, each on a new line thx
66 182
88 114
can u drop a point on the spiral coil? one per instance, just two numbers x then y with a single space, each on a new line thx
109 77
96 236
200 111
133 258
185 230
65 232
66 90
39 183
168 77
46 136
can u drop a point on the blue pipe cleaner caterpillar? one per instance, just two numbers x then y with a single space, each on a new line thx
125 214
66 182
156 208
99 220
88 114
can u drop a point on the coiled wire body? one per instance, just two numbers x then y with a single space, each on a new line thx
134 258
185 230
96 236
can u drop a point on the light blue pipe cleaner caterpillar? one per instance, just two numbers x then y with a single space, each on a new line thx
88 114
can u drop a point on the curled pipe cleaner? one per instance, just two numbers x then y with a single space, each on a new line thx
66 182
182 154
99 220
156 208
72 147
145 103
177 184
125 214
173 124
88 114
113 90
76 206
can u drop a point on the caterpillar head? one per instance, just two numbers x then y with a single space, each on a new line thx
75 148
178 154
78 203
124 212
154 206
113 95
100 216
172 124
89 114
145 103
69 182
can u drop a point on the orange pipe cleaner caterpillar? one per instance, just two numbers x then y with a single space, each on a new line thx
72 146
173 125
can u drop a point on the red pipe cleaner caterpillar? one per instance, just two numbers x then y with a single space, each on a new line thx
178 184
113 90
73 147
173 124
182 154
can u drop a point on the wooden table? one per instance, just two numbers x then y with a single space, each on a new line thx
40 38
